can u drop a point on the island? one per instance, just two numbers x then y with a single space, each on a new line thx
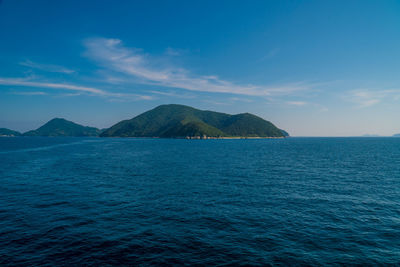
166 121
8 132
63 127
180 121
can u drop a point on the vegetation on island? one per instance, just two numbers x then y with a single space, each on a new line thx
63 127
8 132
174 121
167 121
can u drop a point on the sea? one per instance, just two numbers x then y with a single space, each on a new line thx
68 201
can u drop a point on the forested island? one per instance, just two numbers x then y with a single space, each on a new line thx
167 121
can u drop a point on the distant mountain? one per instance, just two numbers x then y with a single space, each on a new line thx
62 127
184 121
8 132
396 135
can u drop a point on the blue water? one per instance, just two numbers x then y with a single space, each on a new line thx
98 201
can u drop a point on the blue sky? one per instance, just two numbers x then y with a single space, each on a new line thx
313 68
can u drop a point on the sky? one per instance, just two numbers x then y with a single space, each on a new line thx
313 68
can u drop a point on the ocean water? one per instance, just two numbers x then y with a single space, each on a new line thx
116 201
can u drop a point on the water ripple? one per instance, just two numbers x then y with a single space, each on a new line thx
297 201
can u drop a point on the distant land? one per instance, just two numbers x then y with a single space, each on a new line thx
167 121
62 127
179 121
8 132
396 135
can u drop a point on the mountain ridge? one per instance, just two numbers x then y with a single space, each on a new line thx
63 127
8 132
180 121
166 121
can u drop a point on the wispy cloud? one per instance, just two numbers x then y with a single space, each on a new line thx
173 52
70 95
124 67
134 64
28 93
28 83
173 94
83 89
366 97
241 99
46 67
271 53
296 103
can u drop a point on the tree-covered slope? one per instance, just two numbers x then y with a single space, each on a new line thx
62 127
250 125
183 121
286 134
8 132
193 128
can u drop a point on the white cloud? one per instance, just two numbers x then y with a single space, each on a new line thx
173 52
46 67
296 103
241 99
29 93
366 97
29 83
173 94
84 89
111 54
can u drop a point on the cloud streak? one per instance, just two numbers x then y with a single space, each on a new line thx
367 98
90 90
122 67
28 83
46 67
29 93
296 103
111 54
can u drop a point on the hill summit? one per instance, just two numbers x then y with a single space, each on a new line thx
179 121
63 127
8 132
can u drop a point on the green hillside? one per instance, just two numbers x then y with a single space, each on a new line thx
286 134
62 127
8 132
185 121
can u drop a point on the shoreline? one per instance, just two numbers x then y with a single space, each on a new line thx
231 137
156 137
198 137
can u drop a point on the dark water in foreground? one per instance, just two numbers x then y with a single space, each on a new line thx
77 201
